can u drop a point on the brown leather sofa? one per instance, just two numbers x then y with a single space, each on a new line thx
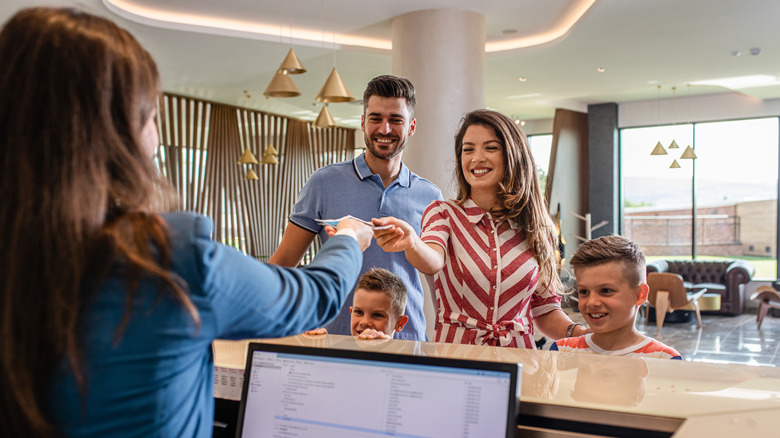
727 278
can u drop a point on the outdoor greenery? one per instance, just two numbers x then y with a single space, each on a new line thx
542 178
627 203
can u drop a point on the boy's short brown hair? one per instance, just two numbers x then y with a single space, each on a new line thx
612 249
382 280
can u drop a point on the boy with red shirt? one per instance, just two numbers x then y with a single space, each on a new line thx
611 285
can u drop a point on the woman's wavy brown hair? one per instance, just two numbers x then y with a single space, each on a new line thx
519 193
78 191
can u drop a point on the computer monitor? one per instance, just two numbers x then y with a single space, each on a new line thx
296 391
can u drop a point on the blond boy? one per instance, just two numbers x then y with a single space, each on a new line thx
611 286
378 305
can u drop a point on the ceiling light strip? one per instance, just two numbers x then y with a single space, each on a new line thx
270 32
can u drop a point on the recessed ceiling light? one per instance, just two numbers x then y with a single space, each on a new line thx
509 31
601 70
522 79
736 53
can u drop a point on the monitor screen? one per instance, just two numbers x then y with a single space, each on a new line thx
293 391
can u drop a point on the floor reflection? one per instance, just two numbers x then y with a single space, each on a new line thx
721 339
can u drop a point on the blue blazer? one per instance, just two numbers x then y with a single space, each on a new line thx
158 378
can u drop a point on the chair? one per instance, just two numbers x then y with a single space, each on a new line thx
767 297
725 278
667 294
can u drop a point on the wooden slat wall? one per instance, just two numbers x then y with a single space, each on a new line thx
182 149
328 146
201 143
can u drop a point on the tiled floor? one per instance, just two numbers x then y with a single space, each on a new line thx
733 339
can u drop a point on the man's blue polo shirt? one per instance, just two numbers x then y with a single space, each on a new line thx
349 187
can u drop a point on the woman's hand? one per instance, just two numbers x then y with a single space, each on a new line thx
399 237
427 258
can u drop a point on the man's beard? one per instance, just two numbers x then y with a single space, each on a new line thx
383 155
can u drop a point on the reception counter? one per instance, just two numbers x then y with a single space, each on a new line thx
566 394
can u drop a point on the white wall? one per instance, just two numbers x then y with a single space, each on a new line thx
713 107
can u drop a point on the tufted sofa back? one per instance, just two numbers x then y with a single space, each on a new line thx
700 272
728 278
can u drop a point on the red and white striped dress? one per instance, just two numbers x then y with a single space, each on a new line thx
486 292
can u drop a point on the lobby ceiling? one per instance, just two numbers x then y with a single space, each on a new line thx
227 51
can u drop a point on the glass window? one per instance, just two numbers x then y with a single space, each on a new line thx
657 196
736 192
734 178
541 147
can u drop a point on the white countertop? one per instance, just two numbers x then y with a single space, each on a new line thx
712 399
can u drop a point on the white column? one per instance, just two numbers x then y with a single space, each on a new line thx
442 51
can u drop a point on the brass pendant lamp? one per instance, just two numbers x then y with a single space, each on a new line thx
324 119
282 85
247 157
269 159
334 90
658 149
688 154
292 64
270 154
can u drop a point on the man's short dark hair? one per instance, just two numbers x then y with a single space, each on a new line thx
390 86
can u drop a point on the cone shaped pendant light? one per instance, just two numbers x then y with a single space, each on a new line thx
247 158
688 154
324 119
250 174
269 159
282 85
334 90
269 156
674 145
675 165
292 64
658 149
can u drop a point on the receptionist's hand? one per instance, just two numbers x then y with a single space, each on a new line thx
357 230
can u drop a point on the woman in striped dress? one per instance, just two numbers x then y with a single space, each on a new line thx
492 249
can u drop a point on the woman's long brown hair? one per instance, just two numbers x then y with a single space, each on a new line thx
77 191
519 193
